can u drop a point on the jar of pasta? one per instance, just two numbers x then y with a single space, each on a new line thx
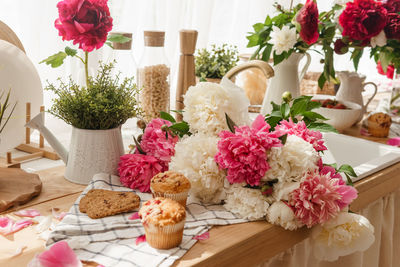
154 76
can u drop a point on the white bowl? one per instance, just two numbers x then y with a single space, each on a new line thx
339 118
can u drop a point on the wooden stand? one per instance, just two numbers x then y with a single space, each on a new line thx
34 150
186 76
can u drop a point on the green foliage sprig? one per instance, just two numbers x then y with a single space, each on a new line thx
299 109
105 104
215 63
3 108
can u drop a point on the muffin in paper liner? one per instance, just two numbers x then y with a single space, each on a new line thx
164 237
178 197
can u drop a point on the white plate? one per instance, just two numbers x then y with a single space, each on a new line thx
18 74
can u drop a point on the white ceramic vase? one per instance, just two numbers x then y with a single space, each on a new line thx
91 152
286 78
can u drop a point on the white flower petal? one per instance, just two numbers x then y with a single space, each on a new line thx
280 214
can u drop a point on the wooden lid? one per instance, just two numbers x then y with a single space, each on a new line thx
122 46
188 39
154 38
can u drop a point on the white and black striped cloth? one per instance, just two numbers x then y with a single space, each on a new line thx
110 241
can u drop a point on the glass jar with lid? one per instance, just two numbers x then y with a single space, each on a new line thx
154 76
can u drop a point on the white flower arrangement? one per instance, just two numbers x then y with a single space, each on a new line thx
194 158
283 39
245 202
343 235
206 104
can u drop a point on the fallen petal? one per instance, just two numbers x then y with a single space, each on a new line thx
134 216
44 235
364 132
18 251
6 225
59 255
58 215
27 213
394 141
44 224
203 236
140 239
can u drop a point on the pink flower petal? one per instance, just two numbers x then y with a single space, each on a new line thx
394 141
140 239
59 255
203 236
9 226
364 132
134 216
58 215
27 213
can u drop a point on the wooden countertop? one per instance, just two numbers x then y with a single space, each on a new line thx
234 245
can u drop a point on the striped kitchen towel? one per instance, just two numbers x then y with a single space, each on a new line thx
110 241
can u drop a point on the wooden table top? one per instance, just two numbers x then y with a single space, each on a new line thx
236 245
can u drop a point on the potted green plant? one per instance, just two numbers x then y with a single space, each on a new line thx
212 65
97 110
4 106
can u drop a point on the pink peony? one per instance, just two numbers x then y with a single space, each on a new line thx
244 153
136 170
320 198
155 143
85 22
300 129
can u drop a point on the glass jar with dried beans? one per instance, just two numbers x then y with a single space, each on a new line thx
153 76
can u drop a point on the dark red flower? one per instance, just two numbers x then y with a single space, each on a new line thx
363 19
340 47
85 22
389 72
307 17
392 29
392 6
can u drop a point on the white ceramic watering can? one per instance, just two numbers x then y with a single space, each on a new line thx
91 151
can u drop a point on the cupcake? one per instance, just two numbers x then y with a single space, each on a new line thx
171 185
163 220
379 124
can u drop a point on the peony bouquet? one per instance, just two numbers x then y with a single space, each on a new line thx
269 169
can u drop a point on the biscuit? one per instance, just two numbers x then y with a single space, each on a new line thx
99 203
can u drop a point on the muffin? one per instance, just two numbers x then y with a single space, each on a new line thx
379 124
163 220
171 185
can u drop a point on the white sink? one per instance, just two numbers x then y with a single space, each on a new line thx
364 156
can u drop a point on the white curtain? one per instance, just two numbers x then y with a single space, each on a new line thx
217 21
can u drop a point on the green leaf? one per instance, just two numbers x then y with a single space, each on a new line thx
268 21
139 148
313 105
275 107
299 107
118 38
273 121
167 116
55 60
349 181
345 168
314 115
109 44
253 40
322 127
333 165
70 51
279 58
267 52
283 138
356 56
258 27
177 111
182 127
385 59
230 122
321 80
285 110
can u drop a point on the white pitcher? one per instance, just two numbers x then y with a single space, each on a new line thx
351 87
287 78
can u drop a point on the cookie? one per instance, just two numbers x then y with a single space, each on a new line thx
99 203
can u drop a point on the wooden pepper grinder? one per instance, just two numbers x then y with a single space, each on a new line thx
186 76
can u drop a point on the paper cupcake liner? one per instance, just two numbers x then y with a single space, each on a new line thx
178 197
164 237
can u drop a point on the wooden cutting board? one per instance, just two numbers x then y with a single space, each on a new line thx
17 187
9 35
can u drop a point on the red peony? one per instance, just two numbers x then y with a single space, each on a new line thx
85 22
340 47
363 19
389 71
307 17
392 6
392 29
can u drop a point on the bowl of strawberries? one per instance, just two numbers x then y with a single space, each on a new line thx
340 114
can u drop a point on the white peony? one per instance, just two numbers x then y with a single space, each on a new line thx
206 105
379 40
194 158
246 202
341 236
280 214
283 39
291 162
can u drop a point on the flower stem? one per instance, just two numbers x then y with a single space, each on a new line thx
291 5
87 68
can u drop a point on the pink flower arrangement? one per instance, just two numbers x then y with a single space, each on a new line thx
136 170
85 22
244 153
155 142
300 129
320 198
